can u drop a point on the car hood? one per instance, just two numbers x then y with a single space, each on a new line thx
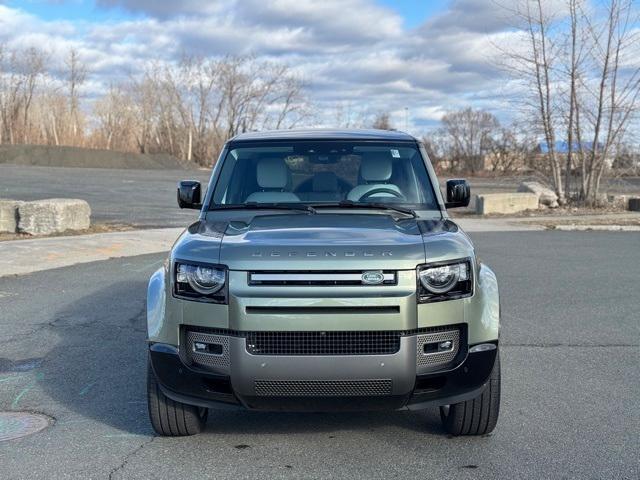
322 242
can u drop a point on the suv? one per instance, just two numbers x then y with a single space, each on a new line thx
323 273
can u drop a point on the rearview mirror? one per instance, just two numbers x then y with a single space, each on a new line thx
189 194
458 193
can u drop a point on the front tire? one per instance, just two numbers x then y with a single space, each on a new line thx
171 418
477 416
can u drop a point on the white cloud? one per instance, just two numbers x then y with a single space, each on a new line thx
348 51
166 9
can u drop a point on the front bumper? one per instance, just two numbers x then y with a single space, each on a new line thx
321 383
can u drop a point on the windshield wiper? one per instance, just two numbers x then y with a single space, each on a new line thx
370 206
266 206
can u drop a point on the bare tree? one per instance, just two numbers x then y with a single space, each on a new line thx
349 115
116 119
187 108
575 62
469 134
32 69
436 145
511 150
192 107
382 121
292 105
10 87
573 66
20 73
76 75
617 93
538 23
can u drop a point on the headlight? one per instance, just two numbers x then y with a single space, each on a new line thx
198 281
445 281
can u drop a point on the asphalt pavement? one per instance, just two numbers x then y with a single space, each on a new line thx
72 347
145 198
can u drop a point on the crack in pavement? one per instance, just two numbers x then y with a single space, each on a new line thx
129 456
129 323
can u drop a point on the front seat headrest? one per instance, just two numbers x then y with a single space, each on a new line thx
376 167
271 173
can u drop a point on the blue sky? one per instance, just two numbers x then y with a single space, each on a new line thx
414 12
73 10
357 56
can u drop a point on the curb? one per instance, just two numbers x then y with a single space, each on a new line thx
598 228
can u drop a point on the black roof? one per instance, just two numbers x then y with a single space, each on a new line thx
324 134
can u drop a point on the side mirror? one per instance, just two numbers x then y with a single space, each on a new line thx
189 194
458 193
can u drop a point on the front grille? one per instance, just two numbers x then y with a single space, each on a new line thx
322 278
322 388
323 343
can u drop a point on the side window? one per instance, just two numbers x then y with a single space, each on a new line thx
220 194
231 176
423 187
243 181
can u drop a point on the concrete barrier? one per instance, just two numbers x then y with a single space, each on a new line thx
505 202
9 215
546 196
53 215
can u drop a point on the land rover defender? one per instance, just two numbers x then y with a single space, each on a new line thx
323 273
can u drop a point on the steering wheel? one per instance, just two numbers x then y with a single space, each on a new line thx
377 190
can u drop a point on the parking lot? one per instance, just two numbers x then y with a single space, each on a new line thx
144 198
72 347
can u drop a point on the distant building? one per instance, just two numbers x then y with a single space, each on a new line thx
562 148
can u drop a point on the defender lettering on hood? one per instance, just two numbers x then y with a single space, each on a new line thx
385 253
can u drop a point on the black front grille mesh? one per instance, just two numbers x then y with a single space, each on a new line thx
322 388
323 343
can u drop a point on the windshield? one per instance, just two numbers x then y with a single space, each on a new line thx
325 173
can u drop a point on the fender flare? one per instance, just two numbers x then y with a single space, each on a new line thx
156 301
490 298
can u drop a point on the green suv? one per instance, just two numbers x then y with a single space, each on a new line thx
323 274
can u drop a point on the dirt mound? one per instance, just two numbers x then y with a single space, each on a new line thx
49 156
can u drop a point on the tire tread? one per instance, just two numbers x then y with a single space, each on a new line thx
479 415
168 417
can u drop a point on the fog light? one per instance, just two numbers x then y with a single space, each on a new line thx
438 347
483 347
207 348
